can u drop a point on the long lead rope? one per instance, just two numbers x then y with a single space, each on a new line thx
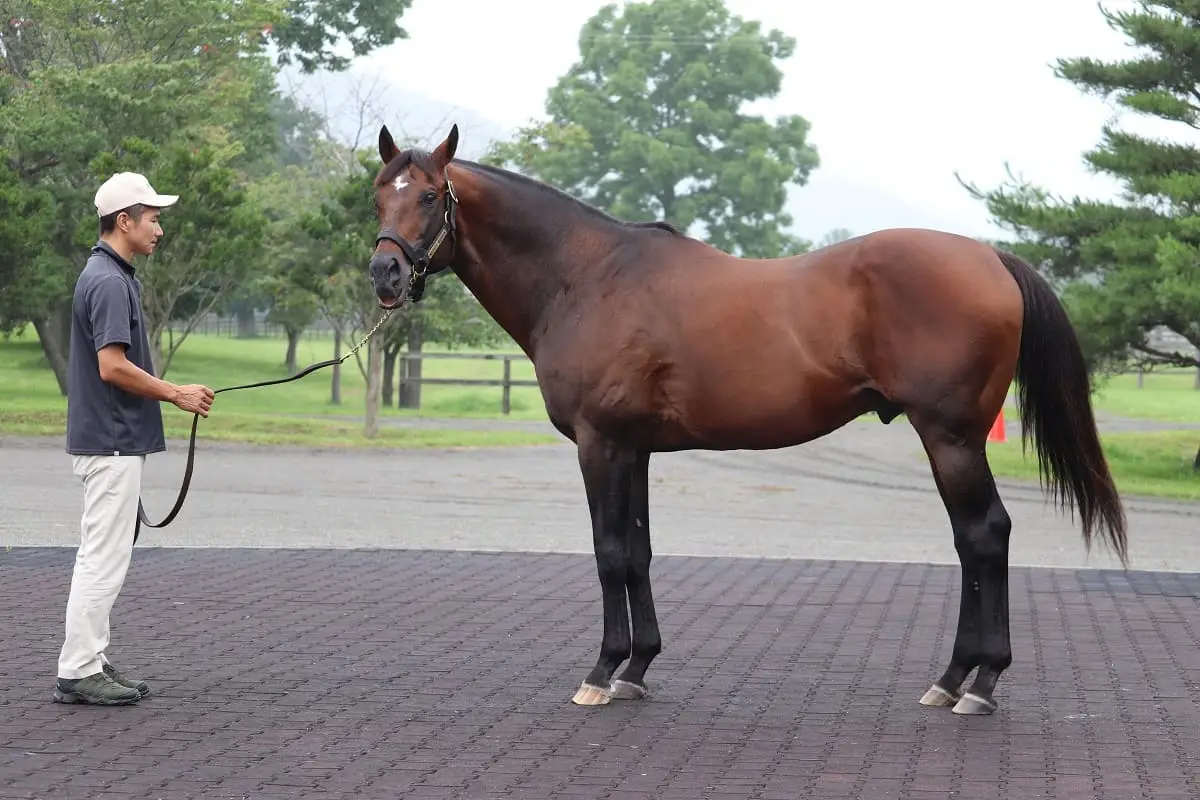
191 456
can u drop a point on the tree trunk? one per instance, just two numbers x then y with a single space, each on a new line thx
374 374
335 382
56 345
293 341
245 323
410 373
157 357
391 354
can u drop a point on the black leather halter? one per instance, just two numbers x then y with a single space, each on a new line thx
419 255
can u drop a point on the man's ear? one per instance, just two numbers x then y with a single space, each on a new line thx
443 154
387 147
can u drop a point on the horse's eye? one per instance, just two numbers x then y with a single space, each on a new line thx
429 197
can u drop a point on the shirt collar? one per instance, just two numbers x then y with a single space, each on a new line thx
108 249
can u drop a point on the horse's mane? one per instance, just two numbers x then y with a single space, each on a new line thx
424 161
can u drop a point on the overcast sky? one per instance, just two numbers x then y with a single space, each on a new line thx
900 94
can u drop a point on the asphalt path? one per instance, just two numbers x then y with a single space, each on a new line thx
862 493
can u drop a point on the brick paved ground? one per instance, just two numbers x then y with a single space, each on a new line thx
399 674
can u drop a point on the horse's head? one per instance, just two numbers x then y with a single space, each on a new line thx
416 205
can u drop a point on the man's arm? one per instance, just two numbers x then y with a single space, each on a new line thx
110 311
122 373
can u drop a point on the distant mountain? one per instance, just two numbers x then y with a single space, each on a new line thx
357 103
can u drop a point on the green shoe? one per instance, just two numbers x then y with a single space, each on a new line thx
97 689
142 687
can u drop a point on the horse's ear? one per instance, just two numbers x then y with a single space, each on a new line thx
387 147
443 154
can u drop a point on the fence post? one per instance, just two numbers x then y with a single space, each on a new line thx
1197 384
1141 377
506 401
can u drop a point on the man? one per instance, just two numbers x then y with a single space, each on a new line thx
113 423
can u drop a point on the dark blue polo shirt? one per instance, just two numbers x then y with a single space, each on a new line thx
102 419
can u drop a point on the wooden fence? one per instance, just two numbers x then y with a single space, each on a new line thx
506 382
1141 375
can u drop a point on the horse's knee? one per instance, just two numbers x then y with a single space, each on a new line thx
985 542
612 562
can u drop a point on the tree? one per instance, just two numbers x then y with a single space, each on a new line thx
1127 266
25 222
834 236
649 124
86 88
304 171
312 29
213 245
88 83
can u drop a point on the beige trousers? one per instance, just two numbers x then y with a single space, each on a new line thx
111 487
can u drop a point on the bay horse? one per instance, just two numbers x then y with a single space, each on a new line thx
645 340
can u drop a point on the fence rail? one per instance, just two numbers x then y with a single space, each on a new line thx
505 383
1141 374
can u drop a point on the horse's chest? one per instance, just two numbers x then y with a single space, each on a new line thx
613 391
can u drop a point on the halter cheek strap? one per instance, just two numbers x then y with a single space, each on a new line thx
419 255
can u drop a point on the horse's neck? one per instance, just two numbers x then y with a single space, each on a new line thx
512 258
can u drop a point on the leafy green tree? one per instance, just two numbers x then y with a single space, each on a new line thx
302 173
649 124
311 30
834 236
26 219
85 84
90 87
1130 265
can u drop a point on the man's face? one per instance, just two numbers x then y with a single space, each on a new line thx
142 234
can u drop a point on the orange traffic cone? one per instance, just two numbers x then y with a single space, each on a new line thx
997 433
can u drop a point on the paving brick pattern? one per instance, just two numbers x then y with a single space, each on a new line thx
399 674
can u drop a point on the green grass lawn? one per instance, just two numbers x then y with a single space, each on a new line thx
30 403
1164 396
1156 463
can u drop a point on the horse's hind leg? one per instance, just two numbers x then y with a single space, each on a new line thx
981 528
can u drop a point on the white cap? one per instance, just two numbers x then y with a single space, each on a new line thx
126 189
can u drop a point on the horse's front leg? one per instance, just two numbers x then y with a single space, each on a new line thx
647 642
607 468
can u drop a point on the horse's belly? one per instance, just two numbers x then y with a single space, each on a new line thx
768 410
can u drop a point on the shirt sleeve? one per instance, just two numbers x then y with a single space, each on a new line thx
110 312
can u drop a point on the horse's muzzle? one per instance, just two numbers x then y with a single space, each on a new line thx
390 277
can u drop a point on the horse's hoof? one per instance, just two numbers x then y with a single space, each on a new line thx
589 695
624 690
938 697
974 704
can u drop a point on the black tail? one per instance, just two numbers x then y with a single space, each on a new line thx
1056 411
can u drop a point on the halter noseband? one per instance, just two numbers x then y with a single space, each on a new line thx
420 256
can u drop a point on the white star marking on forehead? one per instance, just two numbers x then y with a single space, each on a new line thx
400 183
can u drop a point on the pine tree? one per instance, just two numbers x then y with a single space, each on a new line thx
1130 266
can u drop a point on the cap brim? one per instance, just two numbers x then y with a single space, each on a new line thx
161 200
